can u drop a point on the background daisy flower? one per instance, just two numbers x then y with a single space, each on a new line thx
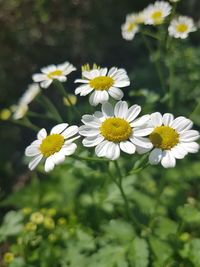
172 139
103 83
53 147
156 13
181 27
53 72
130 27
115 128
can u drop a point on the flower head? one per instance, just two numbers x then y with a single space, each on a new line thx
53 72
156 13
37 217
172 139
53 147
181 27
30 226
8 257
103 83
130 27
115 128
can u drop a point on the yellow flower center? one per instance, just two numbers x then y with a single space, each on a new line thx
164 137
51 144
182 28
101 83
54 73
156 15
116 129
131 26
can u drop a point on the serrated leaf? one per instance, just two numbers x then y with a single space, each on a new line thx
165 227
138 253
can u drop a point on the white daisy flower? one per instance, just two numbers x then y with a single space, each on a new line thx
104 83
181 27
53 147
114 129
172 139
156 13
22 107
53 72
130 27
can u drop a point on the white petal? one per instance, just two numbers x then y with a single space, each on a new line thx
49 164
181 124
189 136
123 83
38 77
92 140
127 147
68 141
103 95
178 152
86 89
58 157
140 121
59 128
70 131
87 75
69 149
155 156
191 147
116 93
42 134
91 121
141 142
81 81
168 160
99 115
113 151
132 113
32 151
142 150
103 71
96 97
81 88
167 119
107 110
156 119
60 78
36 142
121 109
34 162
45 84
142 131
101 148
88 131
112 71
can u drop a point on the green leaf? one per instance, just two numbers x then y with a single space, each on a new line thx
189 214
138 253
191 251
165 227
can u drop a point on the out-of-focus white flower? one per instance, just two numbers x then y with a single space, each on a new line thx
130 27
181 27
172 139
156 13
53 147
53 72
20 111
115 129
103 83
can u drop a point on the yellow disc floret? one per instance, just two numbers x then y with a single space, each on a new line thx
116 129
182 28
101 83
51 144
164 137
54 73
131 26
156 14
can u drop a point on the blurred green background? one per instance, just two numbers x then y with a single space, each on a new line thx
35 33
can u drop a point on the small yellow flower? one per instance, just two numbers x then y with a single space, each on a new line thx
26 211
62 221
184 237
31 226
8 257
37 217
52 238
5 114
72 98
48 223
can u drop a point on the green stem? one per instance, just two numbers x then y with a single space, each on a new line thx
150 34
46 102
64 93
89 158
156 63
26 122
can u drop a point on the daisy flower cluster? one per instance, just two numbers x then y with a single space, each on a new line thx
155 14
115 128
